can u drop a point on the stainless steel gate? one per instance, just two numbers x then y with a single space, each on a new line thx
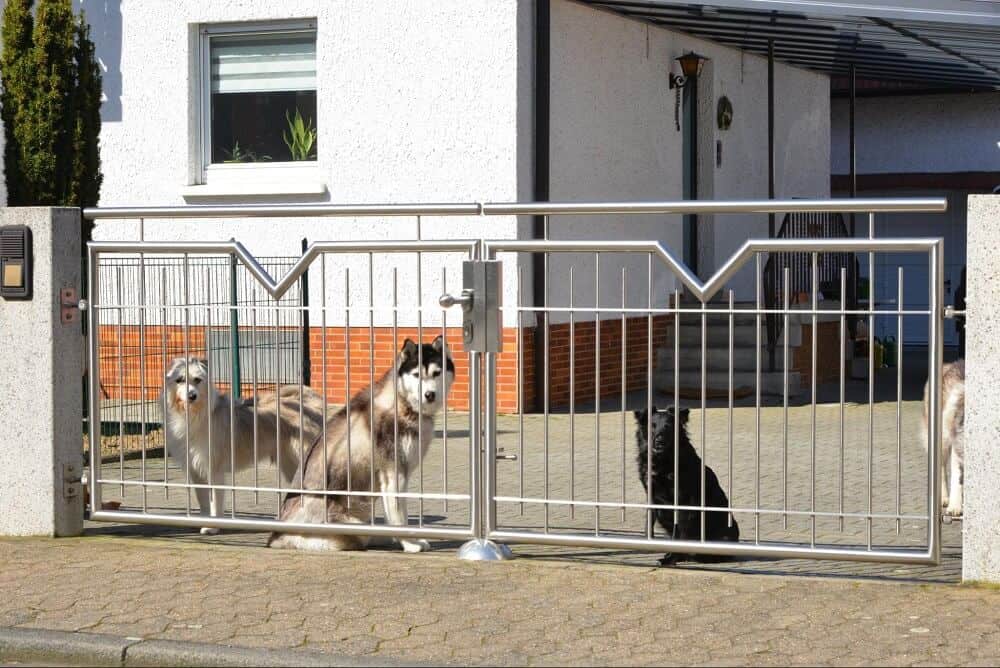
814 463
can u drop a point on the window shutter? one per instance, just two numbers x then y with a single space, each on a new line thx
263 63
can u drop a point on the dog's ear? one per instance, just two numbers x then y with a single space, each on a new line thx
408 351
438 343
641 416
203 362
684 414
175 366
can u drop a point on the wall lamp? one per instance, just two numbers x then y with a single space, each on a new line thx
691 64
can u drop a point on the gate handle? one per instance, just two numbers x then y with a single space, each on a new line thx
464 300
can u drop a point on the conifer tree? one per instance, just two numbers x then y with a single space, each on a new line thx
17 78
51 106
47 133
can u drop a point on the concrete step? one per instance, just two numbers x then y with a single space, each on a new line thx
717 334
717 383
716 358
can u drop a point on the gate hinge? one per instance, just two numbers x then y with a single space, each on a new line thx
69 306
72 474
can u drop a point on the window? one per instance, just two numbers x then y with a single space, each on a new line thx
259 95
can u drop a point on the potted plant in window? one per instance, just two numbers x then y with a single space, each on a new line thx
300 137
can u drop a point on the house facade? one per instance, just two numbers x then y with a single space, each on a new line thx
919 144
412 103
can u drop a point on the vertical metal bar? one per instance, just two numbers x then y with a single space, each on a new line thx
420 411
301 342
899 400
784 415
237 382
649 391
520 389
304 335
812 440
234 333
597 392
935 354
276 308
852 144
704 407
187 356
572 392
475 447
208 330
121 381
395 376
253 371
756 469
677 394
871 375
347 374
545 383
163 361
142 371
623 386
843 382
94 380
444 352
732 503
490 453
371 377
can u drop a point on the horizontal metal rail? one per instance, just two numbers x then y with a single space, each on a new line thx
258 524
773 551
704 291
873 205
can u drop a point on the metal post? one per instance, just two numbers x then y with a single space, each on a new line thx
94 378
304 336
234 330
936 355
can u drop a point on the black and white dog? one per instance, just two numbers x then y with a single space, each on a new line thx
688 527
381 435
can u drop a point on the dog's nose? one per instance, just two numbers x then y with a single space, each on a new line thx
192 396
429 395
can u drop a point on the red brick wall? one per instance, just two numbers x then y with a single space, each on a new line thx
120 360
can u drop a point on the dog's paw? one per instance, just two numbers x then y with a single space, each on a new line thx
953 510
668 560
420 545
209 531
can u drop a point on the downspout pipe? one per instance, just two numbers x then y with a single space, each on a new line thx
543 24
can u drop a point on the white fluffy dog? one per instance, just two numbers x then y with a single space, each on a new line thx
204 427
952 435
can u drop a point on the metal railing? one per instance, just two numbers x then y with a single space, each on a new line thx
791 272
601 353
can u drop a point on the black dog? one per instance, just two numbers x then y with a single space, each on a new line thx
688 526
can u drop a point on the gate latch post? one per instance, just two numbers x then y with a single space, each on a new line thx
481 298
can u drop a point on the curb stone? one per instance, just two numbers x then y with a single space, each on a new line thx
93 649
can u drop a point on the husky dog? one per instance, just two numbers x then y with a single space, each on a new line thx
393 418
952 435
688 526
197 414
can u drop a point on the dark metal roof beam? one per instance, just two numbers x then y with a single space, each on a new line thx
933 44
848 52
937 11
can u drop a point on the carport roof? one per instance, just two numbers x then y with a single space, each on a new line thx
941 43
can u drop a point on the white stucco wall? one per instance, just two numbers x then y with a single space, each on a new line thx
417 102
614 138
920 134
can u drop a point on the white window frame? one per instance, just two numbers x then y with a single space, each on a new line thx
238 174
